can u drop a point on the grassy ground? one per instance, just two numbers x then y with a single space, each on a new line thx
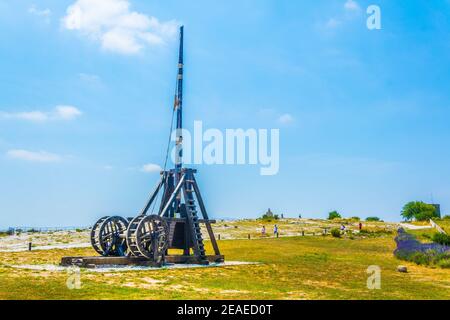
426 234
444 224
291 268
291 227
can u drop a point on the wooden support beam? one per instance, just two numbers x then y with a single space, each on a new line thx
205 216
93 262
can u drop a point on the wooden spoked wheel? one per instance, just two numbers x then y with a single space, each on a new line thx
95 235
108 236
147 236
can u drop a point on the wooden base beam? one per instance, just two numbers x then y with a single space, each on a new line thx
94 262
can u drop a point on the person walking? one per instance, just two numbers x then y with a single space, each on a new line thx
275 230
263 231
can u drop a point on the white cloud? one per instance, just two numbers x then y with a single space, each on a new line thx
45 13
61 112
351 5
116 27
151 168
34 116
352 9
286 119
66 113
40 156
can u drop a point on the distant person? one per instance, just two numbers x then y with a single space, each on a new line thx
275 229
360 226
342 228
263 231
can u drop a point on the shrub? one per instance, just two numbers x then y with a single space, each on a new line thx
79 230
441 238
427 258
356 218
418 210
447 217
420 258
336 233
334 215
373 219
444 263
267 218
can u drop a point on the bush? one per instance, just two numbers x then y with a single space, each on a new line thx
428 258
444 263
441 238
418 210
334 215
447 217
267 218
336 233
373 219
355 218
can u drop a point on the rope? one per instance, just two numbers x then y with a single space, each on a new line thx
168 146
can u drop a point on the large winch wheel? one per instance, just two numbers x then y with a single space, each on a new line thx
95 235
131 236
108 236
147 236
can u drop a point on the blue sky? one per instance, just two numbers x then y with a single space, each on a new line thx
86 102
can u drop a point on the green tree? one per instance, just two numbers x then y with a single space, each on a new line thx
372 219
334 215
418 210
